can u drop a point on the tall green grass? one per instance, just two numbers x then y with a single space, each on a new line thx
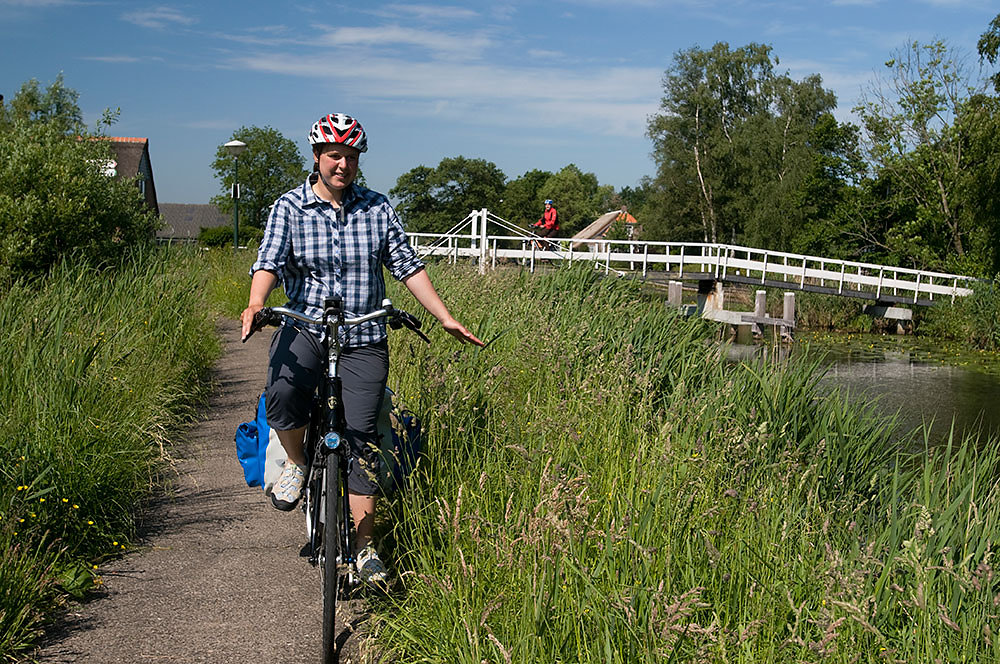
99 372
601 486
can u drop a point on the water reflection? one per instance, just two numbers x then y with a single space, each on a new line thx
898 380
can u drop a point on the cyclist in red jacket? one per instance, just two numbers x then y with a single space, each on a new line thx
549 223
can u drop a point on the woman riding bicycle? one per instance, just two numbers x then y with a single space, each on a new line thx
331 237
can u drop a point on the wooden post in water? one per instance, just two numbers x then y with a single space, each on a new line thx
759 311
675 293
788 313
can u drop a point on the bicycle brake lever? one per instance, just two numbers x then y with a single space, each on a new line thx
413 323
261 319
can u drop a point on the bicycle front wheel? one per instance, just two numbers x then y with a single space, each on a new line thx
329 569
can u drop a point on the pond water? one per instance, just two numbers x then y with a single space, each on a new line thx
924 383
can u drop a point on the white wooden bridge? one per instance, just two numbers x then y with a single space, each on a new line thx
694 261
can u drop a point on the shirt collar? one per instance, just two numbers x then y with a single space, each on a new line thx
311 199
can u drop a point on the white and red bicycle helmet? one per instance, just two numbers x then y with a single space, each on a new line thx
339 128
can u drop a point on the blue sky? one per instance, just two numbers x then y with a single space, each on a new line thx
523 84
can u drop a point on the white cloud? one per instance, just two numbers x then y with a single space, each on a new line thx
607 101
655 4
429 12
159 17
215 125
115 59
122 59
389 36
539 54
32 4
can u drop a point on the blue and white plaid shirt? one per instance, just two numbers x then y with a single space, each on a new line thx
319 251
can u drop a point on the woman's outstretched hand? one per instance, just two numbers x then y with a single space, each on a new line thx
457 330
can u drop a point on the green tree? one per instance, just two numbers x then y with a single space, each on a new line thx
744 153
912 140
979 128
522 198
578 197
56 105
417 207
270 166
434 200
989 48
56 201
708 98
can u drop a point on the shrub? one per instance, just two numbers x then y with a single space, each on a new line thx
974 318
222 236
55 202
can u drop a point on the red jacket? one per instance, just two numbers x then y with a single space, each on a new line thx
549 220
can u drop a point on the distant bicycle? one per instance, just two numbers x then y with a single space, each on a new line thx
329 526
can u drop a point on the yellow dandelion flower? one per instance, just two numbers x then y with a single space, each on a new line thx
41 500
75 506
90 523
65 500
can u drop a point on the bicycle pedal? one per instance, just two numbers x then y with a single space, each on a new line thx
305 551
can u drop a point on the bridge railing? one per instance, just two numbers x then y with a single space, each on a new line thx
699 260
836 276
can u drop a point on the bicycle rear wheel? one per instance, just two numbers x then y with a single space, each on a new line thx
329 569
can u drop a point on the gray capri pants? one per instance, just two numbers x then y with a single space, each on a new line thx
293 374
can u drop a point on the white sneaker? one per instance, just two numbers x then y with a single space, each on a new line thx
288 489
370 567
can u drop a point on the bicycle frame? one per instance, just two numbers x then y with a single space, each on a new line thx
324 440
324 434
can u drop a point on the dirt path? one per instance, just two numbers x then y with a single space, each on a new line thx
217 577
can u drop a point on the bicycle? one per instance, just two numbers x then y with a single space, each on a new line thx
329 526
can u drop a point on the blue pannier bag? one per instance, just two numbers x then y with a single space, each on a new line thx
249 450
401 444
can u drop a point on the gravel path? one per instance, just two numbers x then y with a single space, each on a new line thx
217 576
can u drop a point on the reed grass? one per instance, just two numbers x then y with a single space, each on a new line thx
100 371
602 486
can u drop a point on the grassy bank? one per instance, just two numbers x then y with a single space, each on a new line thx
601 486
100 371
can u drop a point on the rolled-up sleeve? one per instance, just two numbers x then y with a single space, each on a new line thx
273 251
401 260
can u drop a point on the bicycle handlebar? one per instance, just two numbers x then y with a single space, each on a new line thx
397 319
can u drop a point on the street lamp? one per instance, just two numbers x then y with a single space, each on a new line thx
236 148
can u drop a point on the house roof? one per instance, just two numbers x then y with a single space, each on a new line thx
185 220
128 152
129 156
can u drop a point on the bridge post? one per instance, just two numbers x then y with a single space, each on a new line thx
759 311
474 230
675 293
788 313
483 242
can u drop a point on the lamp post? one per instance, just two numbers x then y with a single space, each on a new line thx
236 148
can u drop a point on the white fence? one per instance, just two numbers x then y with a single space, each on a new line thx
694 260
